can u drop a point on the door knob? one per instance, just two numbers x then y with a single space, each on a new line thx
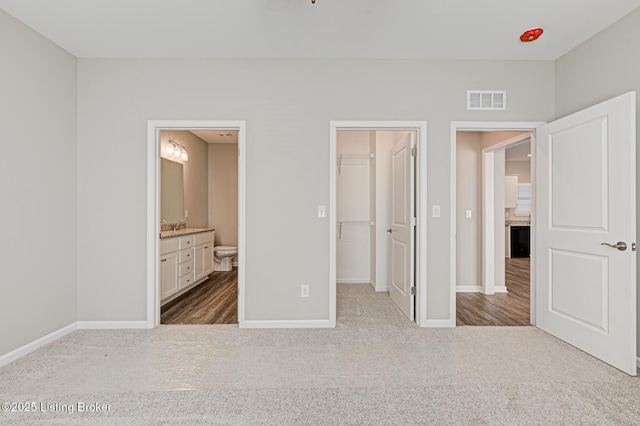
620 245
390 231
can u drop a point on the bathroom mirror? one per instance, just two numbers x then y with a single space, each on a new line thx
171 191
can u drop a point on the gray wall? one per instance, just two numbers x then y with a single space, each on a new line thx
223 192
287 105
468 197
38 280
605 66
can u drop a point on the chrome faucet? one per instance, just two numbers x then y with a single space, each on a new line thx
184 221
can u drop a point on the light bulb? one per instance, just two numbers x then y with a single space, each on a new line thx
184 155
176 152
170 148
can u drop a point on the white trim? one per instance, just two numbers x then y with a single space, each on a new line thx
469 289
500 289
421 205
352 281
289 324
486 126
153 221
446 323
36 344
111 325
638 362
488 221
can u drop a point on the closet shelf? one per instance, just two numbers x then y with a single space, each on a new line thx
353 159
342 222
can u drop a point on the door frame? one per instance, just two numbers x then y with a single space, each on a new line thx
488 250
153 207
420 127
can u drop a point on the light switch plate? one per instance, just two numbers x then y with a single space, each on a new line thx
435 211
322 212
468 214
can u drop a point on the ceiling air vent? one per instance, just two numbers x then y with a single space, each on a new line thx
487 99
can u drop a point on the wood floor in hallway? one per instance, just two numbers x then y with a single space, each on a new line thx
500 309
215 301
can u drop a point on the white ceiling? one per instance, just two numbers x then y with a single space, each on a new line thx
384 29
217 136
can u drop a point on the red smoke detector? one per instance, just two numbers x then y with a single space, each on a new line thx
531 35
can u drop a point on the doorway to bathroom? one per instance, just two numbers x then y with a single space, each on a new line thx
378 191
196 241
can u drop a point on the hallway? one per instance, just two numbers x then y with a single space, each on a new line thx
500 309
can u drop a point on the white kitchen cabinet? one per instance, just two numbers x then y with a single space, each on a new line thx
510 192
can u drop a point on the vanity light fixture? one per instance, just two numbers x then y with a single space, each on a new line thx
177 151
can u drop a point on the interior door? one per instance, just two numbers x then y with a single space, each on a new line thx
402 229
585 177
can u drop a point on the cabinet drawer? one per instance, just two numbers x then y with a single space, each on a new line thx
186 268
204 237
186 280
168 245
186 255
186 242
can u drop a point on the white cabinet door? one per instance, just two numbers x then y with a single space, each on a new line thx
168 274
510 192
199 262
207 252
203 260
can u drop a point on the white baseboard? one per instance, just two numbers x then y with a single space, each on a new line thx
352 281
37 344
468 289
111 325
288 324
500 289
439 323
380 289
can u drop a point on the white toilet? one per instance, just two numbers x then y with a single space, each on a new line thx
223 257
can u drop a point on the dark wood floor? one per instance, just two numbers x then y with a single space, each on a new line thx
215 301
499 309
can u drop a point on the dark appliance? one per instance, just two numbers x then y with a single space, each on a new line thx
520 238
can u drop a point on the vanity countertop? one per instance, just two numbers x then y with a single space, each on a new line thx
517 223
186 231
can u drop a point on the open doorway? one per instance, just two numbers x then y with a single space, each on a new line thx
199 217
196 222
378 192
492 222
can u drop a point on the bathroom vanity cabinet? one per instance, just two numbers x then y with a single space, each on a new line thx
185 261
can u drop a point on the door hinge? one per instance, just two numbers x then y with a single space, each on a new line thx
633 247
413 291
413 151
414 221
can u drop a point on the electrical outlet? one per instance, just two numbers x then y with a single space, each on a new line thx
468 214
304 290
435 211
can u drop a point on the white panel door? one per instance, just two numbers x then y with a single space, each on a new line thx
402 230
585 177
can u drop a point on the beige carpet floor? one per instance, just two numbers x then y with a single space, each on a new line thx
375 368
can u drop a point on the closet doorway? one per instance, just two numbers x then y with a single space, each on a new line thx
375 235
